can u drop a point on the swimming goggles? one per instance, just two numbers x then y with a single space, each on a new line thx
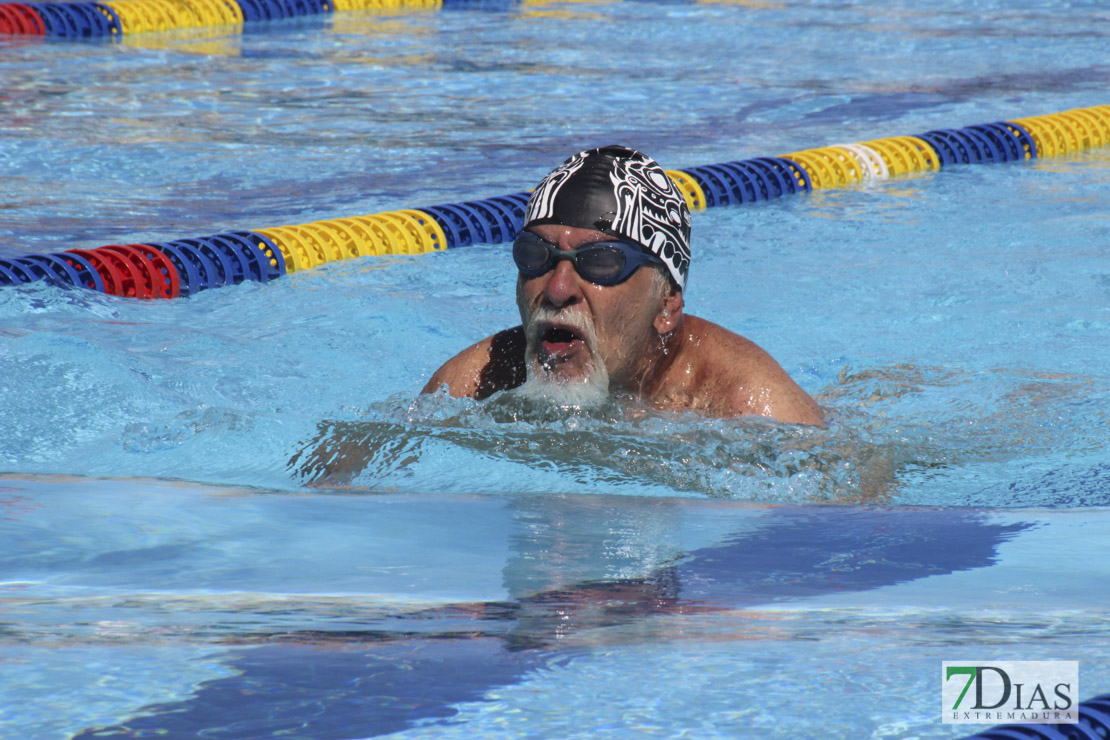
603 263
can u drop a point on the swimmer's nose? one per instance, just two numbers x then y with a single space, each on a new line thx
563 287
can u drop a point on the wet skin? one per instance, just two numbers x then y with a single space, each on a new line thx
649 347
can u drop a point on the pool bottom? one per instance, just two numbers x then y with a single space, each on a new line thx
778 673
199 612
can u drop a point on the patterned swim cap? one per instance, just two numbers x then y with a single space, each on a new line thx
620 192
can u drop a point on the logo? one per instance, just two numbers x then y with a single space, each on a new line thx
1004 692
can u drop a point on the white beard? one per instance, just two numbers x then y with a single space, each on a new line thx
589 391
581 393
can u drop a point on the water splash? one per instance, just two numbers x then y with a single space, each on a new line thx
622 442
890 429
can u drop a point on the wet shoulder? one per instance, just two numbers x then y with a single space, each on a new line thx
729 374
496 363
722 359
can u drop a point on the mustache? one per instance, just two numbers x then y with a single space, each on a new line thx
577 320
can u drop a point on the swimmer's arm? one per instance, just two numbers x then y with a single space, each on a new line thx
494 364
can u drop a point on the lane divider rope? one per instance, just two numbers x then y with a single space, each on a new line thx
111 19
183 267
1093 724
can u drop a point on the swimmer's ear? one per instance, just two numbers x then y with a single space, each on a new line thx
670 314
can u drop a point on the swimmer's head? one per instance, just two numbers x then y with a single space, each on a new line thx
622 193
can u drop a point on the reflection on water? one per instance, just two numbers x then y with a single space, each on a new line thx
385 674
888 425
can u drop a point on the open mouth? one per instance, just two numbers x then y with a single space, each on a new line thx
558 340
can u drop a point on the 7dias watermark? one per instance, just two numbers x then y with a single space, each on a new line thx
1001 692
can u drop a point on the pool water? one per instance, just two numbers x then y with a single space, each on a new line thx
233 516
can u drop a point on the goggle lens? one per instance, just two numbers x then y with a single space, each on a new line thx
603 263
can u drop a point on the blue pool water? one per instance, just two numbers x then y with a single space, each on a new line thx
173 557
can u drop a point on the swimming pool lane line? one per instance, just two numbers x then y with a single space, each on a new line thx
112 19
1094 724
186 266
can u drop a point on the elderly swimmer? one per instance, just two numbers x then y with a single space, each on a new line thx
594 322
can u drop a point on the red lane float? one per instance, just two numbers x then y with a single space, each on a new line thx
20 19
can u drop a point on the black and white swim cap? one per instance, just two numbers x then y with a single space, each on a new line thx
620 192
